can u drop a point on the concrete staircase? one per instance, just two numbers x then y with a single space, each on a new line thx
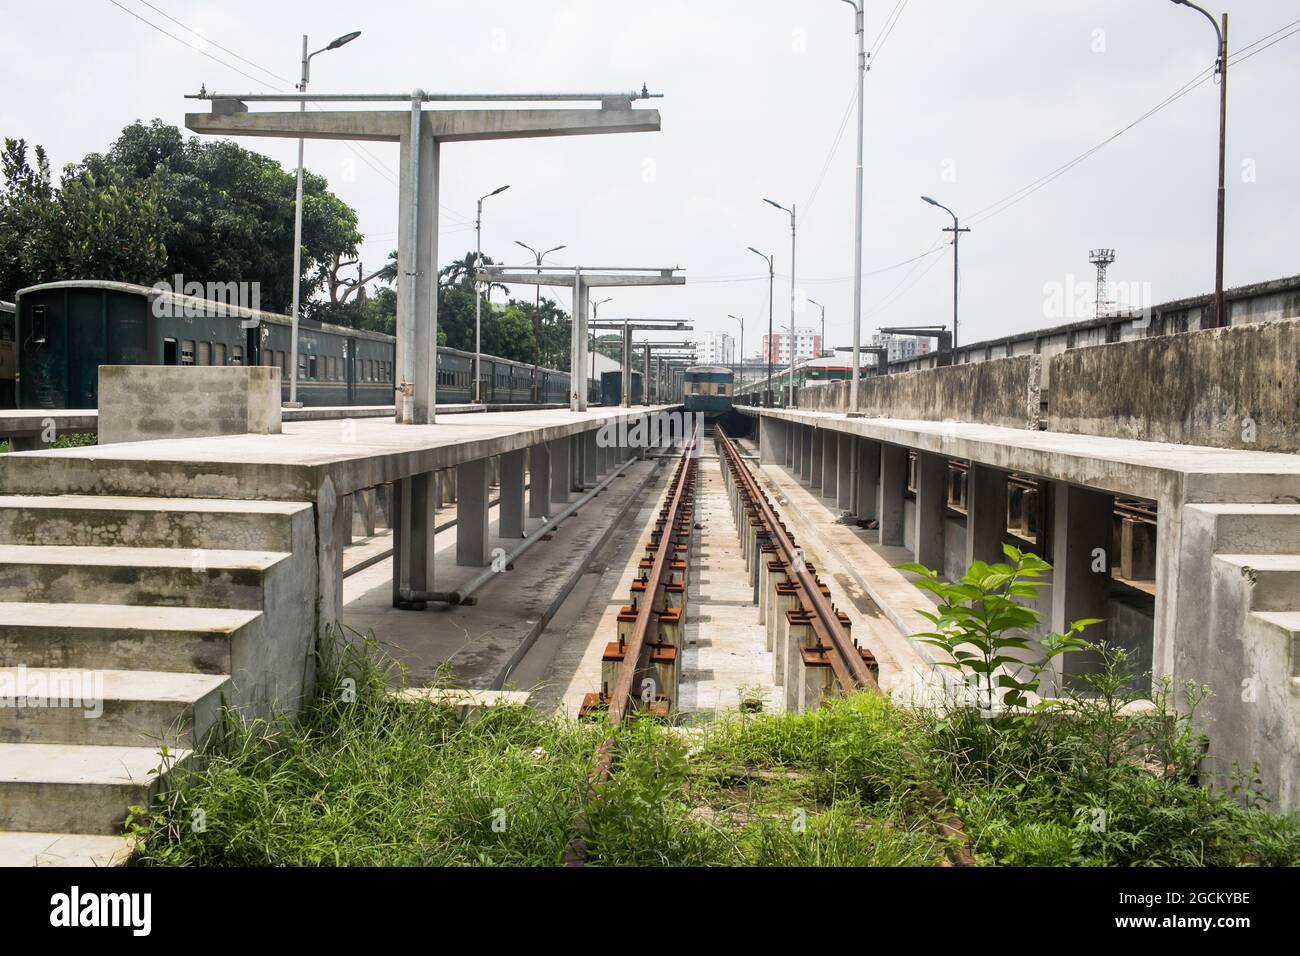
141 616
1248 607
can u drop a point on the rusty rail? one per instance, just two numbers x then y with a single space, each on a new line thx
615 703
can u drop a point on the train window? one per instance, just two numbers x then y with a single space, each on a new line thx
169 351
722 388
219 353
302 366
205 354
268 358
38 325
187 352
311 366
236 354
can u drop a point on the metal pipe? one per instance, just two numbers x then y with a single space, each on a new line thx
860 28
297 244
464 593
425 97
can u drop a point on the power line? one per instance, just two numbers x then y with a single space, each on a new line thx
886 30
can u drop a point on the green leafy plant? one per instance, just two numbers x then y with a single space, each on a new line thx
980 624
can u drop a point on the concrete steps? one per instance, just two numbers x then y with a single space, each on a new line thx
1283 626
125 575
109 520
1274 579
123 637
1255 528
62 849
109 707
130 614
75 788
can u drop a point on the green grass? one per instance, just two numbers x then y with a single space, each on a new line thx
366 780
66 441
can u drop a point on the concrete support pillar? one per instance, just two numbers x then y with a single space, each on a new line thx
590 458
830 463
414 501
561 477
791 444
867 479
771 441
1081 530
472 498
512 520
845 466
418 264
893 486
539 480
815 464
931 500
797 449
986 513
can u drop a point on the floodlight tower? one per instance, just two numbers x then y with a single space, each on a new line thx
1101 258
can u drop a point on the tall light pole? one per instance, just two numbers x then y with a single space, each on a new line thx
823 340
740 373
537 318
956 229
860 27
770 202
595 317
478 264
771 275
297 211
1220 67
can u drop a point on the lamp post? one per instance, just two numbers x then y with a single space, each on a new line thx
956 229
740 374
537 319
1220 67
823 338
860 28
770 202
771 275
595 317
478 264
297 211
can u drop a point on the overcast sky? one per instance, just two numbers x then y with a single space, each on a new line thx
966 101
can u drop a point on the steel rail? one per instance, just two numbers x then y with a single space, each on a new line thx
846 660
576 854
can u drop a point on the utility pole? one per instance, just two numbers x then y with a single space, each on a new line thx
771 276
537 316
859 22
790 394
478 264
822 344
297 213
956 229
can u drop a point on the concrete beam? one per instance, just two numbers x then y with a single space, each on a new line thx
472 499
931 501
447 125
539 480
893 487
1081 537
986 513
512 522
771 441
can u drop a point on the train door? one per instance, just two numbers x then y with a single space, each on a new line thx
349 366
87 327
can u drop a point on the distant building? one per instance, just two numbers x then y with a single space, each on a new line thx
807 344
717 348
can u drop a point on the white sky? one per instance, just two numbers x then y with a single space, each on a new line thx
967 102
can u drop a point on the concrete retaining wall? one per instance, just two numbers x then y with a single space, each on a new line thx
1001 392
1235 387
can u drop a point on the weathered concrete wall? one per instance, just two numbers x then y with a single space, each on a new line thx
1001 392
146 402
1236 387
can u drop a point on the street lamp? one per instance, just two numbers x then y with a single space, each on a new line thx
595 316
771 202
478 264
537 318
823 340
771 275
1220 67
297 210
740 374
861 30
956 229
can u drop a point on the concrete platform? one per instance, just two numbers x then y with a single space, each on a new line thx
296 464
